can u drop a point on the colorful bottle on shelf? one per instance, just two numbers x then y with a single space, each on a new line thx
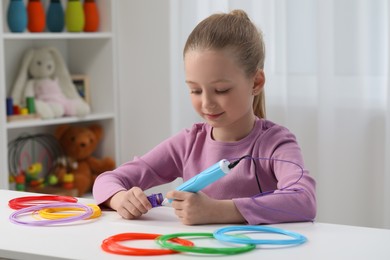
36 16
30 101
10 106
55 16
91 14
17 16
74 16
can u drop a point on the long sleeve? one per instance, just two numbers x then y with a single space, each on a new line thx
161 165
274 167
293 199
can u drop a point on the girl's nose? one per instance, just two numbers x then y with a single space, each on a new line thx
208 101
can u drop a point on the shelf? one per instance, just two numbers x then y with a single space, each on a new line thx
58 121
62 36
91 54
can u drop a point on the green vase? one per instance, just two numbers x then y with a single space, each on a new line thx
74 16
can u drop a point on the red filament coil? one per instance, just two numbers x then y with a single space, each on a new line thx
110 244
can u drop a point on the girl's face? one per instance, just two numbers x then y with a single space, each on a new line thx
221 92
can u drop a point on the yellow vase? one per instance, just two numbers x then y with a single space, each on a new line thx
74 16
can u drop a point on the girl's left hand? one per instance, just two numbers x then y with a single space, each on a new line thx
193 208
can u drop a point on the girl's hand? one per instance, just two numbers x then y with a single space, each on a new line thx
192 208
130 204
198 208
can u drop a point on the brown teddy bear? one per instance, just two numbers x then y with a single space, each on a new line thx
78 143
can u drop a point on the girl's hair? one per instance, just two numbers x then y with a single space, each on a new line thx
236 32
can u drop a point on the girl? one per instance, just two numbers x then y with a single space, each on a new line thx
224 60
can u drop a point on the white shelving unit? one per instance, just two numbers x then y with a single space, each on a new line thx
91 54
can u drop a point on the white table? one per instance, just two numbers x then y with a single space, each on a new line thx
82 241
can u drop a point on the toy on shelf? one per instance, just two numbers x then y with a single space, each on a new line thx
36 16
20 182
17 16
55 16
91 14
16 113
44 76
36 164
74 16
68 181
79 143
33 178
62 175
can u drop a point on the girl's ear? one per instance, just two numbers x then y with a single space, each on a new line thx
259 82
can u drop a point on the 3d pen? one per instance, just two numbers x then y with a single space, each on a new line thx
205 178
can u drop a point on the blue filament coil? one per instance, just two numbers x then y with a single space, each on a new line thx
296 238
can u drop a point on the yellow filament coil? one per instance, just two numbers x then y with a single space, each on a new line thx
53 213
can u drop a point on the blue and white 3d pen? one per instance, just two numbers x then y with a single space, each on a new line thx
205 178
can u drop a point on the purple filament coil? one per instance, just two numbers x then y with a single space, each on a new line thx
14 216
156 199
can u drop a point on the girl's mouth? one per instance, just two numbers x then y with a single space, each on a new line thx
213 116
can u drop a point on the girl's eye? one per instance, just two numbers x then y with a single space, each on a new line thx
222 91
194 91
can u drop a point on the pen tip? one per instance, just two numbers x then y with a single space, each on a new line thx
165 202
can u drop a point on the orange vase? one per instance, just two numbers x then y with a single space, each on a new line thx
36 16
91 14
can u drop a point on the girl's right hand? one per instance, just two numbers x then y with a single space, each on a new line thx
130 204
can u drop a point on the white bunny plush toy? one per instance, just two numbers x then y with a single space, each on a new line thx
44 76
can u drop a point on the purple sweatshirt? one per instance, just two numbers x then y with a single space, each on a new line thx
288 189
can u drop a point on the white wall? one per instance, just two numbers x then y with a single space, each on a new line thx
143 75
142 36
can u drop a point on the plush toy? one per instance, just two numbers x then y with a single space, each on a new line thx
44 76
79 143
